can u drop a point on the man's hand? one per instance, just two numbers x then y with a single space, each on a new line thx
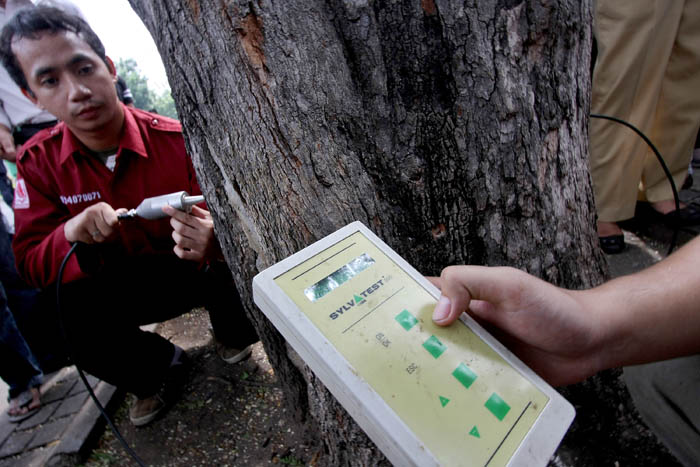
7 144
547 327
193 233
95 224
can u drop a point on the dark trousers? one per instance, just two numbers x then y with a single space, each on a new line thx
18 368
102 315
18 365
32 313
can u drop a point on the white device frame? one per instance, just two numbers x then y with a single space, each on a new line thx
384 427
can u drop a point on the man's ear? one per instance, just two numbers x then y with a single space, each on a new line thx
112 68
30 95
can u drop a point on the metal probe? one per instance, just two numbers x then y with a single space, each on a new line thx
152 208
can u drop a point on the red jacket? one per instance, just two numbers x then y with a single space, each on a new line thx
57 179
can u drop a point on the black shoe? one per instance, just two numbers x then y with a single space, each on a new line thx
688 183
685 217
612 244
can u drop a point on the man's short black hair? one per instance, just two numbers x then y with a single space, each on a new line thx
31 23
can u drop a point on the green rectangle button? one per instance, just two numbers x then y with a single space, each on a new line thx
434 346
464 375
406 320
497 406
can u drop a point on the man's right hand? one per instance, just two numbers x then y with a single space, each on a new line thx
95 224
7 144
546 326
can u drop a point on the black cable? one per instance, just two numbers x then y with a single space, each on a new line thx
676 199
123 442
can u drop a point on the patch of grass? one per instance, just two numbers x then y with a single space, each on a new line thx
291 460
102 459
198 404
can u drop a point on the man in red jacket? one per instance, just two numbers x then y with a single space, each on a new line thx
75 178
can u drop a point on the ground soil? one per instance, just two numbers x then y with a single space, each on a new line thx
227 414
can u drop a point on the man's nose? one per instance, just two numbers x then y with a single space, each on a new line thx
78 91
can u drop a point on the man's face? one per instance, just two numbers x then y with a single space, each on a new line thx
69 80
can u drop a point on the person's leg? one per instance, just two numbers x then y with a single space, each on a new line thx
626 85
102 316
666 393
35 320
221 299
24 364
677 116
18 369
6 190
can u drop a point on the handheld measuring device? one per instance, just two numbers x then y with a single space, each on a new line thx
361 318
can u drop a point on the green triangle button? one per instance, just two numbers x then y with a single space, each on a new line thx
475 432
358 299
444 401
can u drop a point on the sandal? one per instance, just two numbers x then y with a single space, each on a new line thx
24 408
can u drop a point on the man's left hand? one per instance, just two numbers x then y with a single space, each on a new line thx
193 232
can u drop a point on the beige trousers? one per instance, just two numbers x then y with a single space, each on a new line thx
647 73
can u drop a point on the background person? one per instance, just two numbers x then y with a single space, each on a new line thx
20 367
70 179
647 73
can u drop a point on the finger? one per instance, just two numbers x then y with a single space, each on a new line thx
110 216
104 218
104 222
184 229
493 292
455 296
462 284
192 255
201 213
101 230
85 236
185 242
181 216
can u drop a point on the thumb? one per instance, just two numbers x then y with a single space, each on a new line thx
463 284
455 282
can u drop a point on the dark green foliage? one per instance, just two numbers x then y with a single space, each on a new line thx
144 97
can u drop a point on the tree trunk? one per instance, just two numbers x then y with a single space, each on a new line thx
457 131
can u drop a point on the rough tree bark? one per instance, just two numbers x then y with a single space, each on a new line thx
457 131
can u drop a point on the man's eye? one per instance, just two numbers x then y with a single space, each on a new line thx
85 70
49 82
